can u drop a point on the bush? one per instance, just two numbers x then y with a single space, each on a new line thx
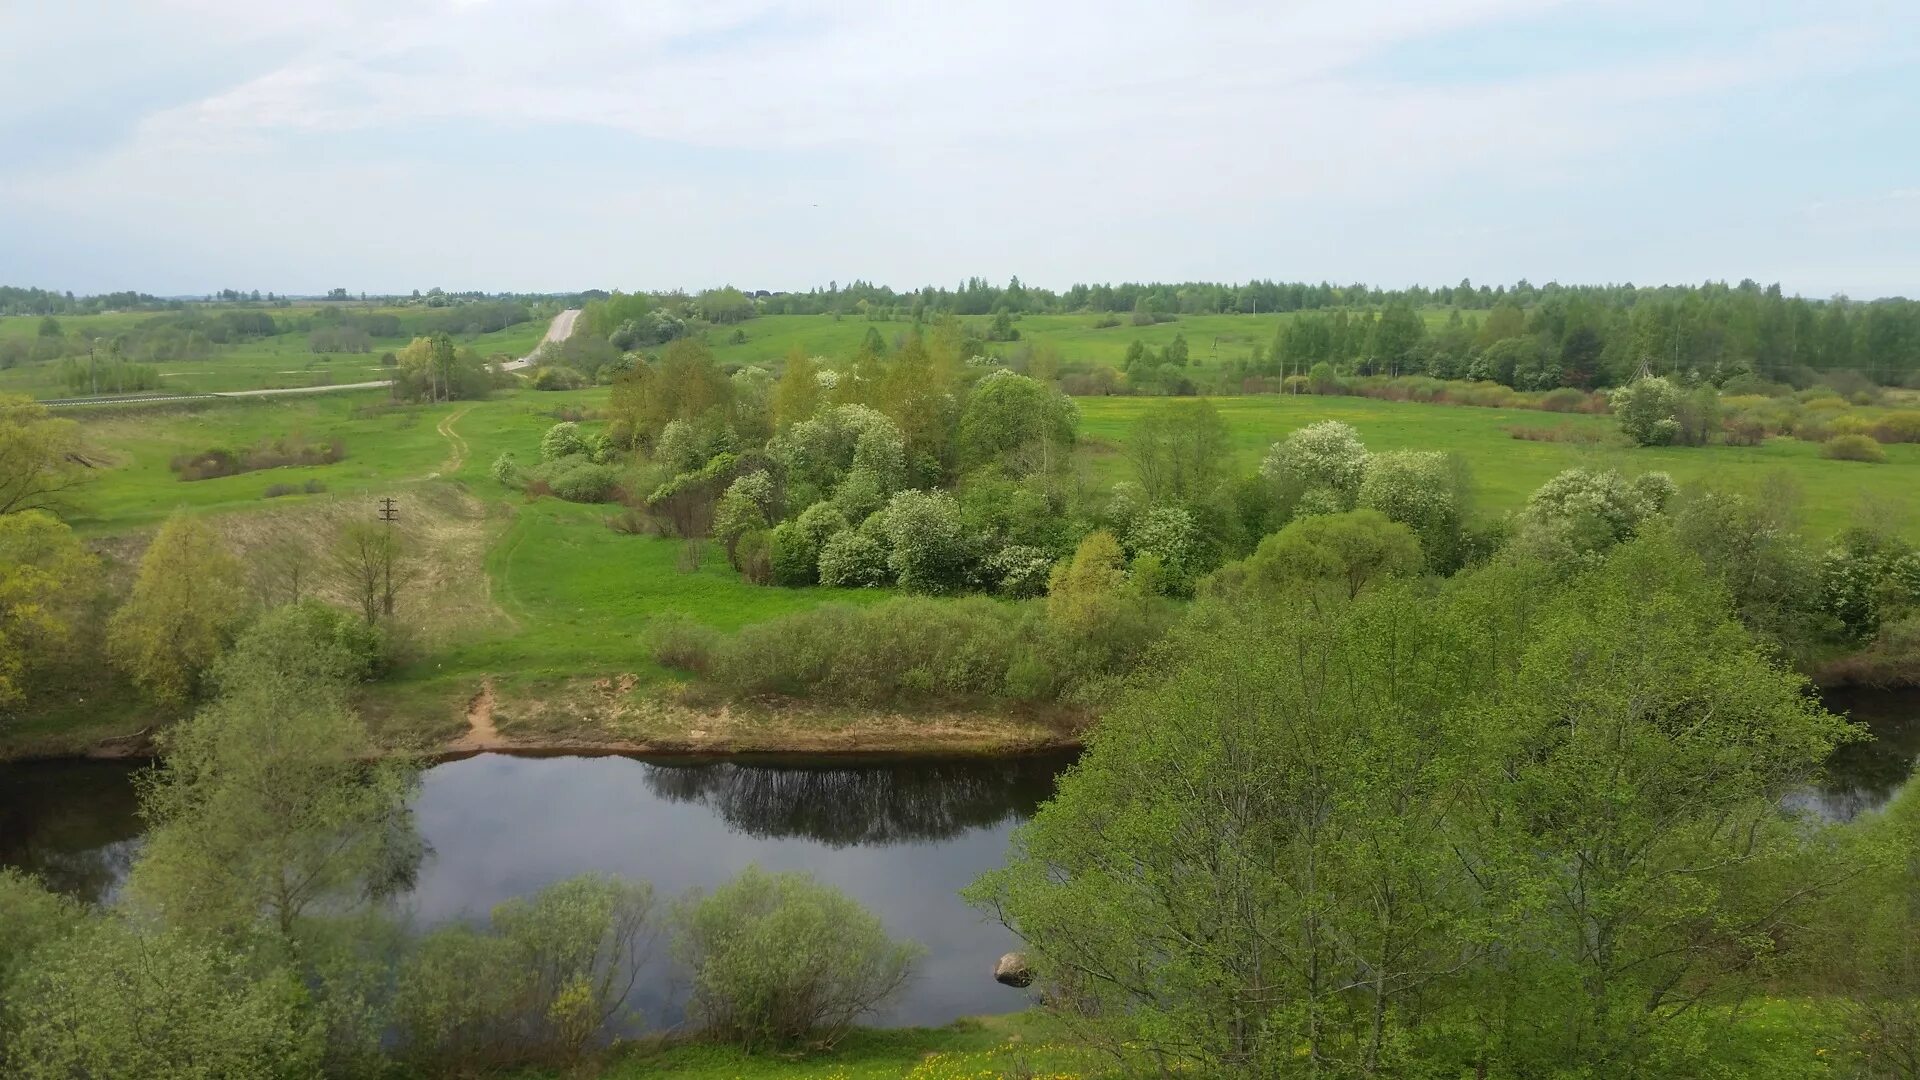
558 377
547 978
581 481
1744 429
1646 409
1853 448
853 560
506 470
110 1000
1898 427
676 641
311 487
901 649
562 440
778 959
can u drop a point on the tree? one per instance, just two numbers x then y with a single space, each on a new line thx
187 600
115 999
1180 451
272 803
549 974
43 571
926 547
797 393
1321 466
371 561
39 457
1471 830
1017 421
1645 409
1243 875
1425 490
1349 550
1574 517
1648 744
741 510
778 959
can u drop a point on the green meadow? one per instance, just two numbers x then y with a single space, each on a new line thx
1211 339
574 595
280 361
1506 469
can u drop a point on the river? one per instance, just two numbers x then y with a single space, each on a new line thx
900 836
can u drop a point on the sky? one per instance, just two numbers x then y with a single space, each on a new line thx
183 146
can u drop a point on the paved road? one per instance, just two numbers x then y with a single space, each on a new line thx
559 329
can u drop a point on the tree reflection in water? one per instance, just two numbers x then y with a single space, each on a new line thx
843 803
1863 776
73 824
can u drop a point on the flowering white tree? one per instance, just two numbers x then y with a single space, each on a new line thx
1326 459
1646 410
927 548
1418 489
1578 514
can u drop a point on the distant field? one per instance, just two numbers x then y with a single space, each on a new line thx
285 360
1211 339
1506 470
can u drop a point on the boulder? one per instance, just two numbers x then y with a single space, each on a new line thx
1012 970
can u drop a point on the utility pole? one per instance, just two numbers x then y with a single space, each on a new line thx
389 513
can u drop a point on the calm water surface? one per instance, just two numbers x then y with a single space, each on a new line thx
902 837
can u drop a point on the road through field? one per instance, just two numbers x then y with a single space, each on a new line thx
559 329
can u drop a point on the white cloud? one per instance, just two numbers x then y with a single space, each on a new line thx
1064 138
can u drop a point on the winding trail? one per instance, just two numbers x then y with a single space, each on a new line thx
457 445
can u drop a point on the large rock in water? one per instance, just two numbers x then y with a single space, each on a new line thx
1012 970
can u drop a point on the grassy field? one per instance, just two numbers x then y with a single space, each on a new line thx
1211 339
540 597
284 360
1506 470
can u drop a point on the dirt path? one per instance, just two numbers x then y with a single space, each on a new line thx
457 445
481 734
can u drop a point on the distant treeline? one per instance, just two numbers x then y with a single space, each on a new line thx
18 301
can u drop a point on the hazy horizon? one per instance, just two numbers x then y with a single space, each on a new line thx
540 147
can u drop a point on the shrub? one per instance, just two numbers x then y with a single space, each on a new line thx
1646 408
1853 448
1565 399
548 977
562 440
754 554
581 481
113 1000
778 959
1327 455
853 560
1168 536
1564 431
506 470
1898 427
676 641
1744 429
558 377
1019 571
926 550
310 487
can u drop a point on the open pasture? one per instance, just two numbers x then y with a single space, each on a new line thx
282 360
1506 470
